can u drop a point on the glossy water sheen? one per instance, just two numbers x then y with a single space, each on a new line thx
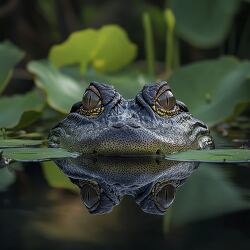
210 209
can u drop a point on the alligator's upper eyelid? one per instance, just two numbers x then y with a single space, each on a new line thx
75 107
94 90
182 105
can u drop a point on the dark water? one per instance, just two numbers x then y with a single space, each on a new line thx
210 208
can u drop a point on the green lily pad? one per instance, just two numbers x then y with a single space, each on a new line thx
62 90
206 194
56 178
35 154
214 155
15 143
108 49
20 110
204 23
78 48
113 50
212 88
10 56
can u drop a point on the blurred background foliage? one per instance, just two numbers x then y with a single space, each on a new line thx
50 50
58 47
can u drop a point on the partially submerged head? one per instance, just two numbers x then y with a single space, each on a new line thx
154 122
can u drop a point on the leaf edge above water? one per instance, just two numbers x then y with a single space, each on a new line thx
212 156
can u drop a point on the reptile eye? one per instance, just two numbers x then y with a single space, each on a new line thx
90 196
165 102
91 103
164 196
90 100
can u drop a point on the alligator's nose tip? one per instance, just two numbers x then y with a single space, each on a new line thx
118 125
134 125
129 124
206 142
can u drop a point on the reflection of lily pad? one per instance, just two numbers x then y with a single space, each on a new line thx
35 154
56 178
212 88
62 91
215 155
20 110
108 49
14 143
207 193
204 23
10 55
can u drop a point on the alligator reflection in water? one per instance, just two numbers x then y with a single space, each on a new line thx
103 181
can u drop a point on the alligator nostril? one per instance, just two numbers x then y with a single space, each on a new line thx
118 125
134 125
158 152
121 124
205 142
201 124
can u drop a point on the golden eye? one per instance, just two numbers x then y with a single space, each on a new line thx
91 103
165 102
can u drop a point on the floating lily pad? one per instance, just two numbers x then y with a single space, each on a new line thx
35 154
15 143
62 90
21 110
204 23
213 88
108 49
214 155
10 55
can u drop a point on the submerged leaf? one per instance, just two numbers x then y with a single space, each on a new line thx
214 155
62 91
20 110
14 143
108 49
207 193
56 178
7 178
35 154
212 89
10 55
204 23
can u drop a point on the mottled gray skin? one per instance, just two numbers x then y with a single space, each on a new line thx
104 181
128 127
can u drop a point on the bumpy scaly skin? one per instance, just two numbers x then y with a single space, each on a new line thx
130 127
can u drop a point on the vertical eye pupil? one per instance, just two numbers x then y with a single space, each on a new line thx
167 100
90 196
165 196
90 100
